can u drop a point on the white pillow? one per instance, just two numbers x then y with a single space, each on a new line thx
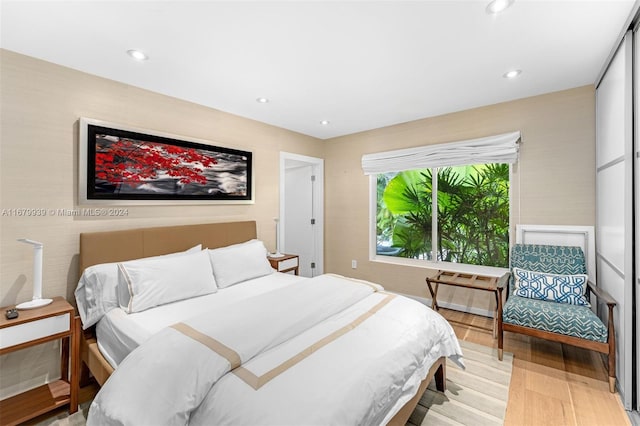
239 262
159 281
96 293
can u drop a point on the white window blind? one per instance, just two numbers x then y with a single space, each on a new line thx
491 149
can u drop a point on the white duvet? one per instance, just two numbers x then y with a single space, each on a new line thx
327 350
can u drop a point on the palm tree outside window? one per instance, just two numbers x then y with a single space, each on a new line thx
472 220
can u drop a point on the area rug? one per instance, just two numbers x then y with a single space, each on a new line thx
79 418
475 396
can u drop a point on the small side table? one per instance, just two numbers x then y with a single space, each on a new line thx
33 327
286 263
471 281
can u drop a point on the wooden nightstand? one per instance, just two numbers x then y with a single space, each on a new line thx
286 263
33 327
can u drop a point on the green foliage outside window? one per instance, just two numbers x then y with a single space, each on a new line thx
472 217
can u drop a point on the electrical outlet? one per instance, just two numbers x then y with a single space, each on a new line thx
354 264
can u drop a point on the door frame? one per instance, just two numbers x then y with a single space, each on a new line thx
318 202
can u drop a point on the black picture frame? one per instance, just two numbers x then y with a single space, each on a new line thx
122 165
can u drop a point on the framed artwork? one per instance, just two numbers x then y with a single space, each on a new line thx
122 165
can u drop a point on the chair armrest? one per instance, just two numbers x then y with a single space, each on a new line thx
602 295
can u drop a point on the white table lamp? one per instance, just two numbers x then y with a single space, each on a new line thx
37 300
277 253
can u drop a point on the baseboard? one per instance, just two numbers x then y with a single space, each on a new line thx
453 306
634 417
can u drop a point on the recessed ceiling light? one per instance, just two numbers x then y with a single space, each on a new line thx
497 6
137 55
512 74
262 100
325 122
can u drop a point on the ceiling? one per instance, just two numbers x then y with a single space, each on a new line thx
360 65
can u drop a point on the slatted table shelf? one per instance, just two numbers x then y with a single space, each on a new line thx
465 280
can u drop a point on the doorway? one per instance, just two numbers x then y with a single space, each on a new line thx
302 210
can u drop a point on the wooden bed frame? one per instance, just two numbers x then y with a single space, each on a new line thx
119 246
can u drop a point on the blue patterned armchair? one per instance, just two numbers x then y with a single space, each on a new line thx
552 302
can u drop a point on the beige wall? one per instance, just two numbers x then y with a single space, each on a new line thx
553 183
41 103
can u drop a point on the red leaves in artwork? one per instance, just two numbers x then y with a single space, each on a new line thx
132 161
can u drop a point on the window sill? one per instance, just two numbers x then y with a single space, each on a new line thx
491 271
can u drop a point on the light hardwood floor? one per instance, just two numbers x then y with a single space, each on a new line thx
551 383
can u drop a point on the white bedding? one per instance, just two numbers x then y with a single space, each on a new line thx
326 351
355 380
118 333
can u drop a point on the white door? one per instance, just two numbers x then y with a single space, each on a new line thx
301 219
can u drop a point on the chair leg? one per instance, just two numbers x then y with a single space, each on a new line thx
498 325
612 351
500 341
612 366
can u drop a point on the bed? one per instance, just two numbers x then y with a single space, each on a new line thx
326 350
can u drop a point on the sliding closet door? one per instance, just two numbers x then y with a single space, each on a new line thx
636 143
614 208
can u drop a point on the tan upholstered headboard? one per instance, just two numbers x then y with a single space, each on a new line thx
118 246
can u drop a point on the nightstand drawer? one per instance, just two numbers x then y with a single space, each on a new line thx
285 263
288 264
33 330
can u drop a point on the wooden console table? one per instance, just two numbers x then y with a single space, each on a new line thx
472 281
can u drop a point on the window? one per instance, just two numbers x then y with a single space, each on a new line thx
472 221
445 202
